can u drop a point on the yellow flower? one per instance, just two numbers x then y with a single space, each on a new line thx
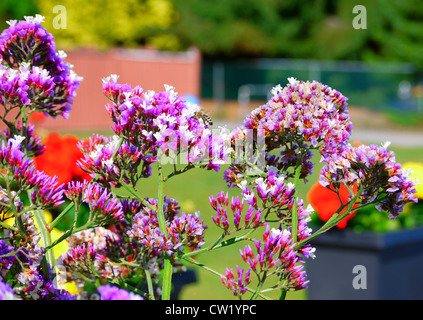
417 169
71 287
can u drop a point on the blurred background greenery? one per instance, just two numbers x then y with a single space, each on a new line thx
259 42
319 29
236 37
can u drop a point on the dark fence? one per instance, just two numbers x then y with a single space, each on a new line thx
377 85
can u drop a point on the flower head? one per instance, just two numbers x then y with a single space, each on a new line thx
163 125
276 250
182 230
303 112
238 284
6 292
374 170
108 292
50 88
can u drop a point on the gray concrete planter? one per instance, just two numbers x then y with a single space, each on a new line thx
367 266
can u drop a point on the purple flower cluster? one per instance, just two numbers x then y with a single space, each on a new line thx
303 230
374 169
237 285
31 143
6 292
32 72
303 112
47 192
164 124
104 206
81 256
108 292
183 230
273 191
288 158
28 252
6 262
103 203
291 154
115 252
93 252
298 118
220 204
99 158
38 287
13 88
277 249
75 191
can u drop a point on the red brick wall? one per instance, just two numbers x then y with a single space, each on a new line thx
148 68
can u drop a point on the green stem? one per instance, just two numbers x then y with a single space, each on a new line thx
136 195
46 238
176 172
69 233
220 245
5 225
294 207
61 215
148 278
282 295
259 286
218 240
167 271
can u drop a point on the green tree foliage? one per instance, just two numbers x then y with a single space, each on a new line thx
320 29
102 23
395 31
15 9
265 28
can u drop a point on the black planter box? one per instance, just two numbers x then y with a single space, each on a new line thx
393 265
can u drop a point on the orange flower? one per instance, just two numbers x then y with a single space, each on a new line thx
326 202
37 117
59 158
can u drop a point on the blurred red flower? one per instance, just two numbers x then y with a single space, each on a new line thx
325 202
59 158
37 117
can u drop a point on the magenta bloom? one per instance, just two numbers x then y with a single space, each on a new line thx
251 219
183 231
109 292
6 292
24 47
303 112
276 250
163 126
47 191
238 284
375 170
